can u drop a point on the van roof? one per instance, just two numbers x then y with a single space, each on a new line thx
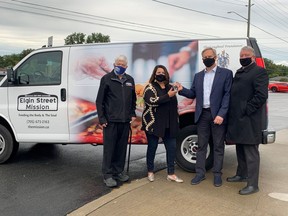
156 41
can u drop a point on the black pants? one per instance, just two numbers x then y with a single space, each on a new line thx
248 163
170 146
206 128
115 148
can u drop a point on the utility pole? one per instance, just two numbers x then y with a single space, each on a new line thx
248 20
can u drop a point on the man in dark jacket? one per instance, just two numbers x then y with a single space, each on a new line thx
211 88
116 104
245 121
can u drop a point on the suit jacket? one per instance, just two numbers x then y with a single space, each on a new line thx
220 93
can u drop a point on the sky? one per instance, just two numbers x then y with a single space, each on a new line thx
28 24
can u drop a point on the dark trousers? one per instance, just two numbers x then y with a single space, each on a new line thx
248 163
206 128
114 148
170 146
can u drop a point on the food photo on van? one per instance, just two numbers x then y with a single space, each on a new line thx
49 96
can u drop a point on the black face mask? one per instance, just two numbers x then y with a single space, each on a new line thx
160 77
208 62
245 61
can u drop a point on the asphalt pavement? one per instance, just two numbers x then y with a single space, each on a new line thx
162 197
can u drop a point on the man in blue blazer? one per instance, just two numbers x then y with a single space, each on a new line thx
211 88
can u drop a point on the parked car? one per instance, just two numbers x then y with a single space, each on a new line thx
278 87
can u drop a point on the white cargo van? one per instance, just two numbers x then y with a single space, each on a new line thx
49 96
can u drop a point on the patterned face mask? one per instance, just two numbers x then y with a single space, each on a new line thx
119 70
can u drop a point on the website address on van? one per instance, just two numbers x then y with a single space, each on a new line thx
38 126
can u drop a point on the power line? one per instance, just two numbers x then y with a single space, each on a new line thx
93 23
185 8
196 11
229 2
270 33
268 20
269 13
110 19
282 4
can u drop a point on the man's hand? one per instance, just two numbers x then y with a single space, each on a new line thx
218 120
104 125
179 86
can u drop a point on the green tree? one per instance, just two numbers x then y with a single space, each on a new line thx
75 38
97 38
24 53
10 60
275 70
13 59
79 38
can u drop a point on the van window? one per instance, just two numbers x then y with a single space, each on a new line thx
2 75
41 69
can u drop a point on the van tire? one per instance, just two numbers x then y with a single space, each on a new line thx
186 148
8 146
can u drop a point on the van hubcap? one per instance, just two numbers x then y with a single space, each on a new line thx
189 148
2 144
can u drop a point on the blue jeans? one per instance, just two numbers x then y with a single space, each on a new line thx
170 146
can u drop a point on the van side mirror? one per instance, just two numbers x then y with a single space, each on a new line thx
10 75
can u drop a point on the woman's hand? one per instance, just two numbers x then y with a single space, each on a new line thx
172 92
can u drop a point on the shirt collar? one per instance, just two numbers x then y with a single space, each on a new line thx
213 70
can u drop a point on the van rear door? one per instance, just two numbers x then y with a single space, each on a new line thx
37 97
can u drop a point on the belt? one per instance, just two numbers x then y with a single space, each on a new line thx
207 109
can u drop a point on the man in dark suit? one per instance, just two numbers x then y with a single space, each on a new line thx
211 88
245 119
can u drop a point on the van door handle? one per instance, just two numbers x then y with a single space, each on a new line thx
63 94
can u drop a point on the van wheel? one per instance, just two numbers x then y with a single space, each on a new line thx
274 89
187 144
8 147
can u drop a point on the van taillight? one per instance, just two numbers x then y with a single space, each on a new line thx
260 62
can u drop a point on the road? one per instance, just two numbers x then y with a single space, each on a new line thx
55 180
277 110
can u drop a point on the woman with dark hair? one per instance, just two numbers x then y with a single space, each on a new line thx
160 120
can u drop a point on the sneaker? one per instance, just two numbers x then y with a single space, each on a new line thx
197 179
110 182
121 177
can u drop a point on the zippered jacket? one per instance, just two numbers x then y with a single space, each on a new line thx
116 99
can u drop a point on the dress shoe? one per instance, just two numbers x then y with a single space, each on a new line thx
248 190
110 182
217 181
151 177
174 178
197 179
121 177
236 178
